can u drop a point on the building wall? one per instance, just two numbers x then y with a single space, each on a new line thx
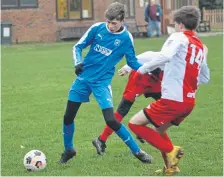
33 24
139 12
98 14
40 24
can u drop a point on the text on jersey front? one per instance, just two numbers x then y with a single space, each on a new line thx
102 50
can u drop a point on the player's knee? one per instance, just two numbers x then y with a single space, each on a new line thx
69 116
71 111
113 124
110 120
123 111
124 107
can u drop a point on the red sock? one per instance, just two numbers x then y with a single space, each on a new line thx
152 137
107 130
166 137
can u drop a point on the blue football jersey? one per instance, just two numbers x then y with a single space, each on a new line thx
106 50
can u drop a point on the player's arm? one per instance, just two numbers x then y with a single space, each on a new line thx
204 75
85 41
169 49
142 58
131 59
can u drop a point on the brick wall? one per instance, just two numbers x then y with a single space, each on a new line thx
32 24
40 24
98 15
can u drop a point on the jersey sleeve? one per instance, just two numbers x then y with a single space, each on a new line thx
85 41
130 54
169 49
204 75
142 58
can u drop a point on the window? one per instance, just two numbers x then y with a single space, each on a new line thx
129 6
74 9
26 3
18 3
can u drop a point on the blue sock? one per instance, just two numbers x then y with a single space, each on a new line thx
125 135
68 132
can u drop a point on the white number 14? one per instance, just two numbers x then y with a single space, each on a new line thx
199 58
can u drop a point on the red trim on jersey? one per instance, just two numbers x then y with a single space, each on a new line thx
190 82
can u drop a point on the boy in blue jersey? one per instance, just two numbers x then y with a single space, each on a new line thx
109 42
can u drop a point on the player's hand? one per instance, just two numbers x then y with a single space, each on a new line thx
122 72
78 69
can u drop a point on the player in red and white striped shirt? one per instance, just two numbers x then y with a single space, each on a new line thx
185 65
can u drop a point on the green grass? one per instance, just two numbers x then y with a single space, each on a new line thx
35 83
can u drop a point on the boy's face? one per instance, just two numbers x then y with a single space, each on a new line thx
114 25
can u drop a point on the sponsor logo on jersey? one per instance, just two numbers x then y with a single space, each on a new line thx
117 42
102 50
191 95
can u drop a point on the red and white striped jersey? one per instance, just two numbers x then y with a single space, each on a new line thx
181 72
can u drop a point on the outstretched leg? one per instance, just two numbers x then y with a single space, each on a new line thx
68 130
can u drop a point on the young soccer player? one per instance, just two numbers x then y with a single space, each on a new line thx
148 84
109 42
185 67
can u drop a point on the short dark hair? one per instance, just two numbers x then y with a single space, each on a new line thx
189 16
115 11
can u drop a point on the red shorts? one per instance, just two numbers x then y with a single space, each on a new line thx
165 111
142 84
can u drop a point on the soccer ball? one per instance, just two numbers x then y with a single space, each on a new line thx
35 160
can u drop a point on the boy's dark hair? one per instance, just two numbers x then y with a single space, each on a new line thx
115 11
189 16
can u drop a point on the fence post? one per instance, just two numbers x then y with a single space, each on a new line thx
203 14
